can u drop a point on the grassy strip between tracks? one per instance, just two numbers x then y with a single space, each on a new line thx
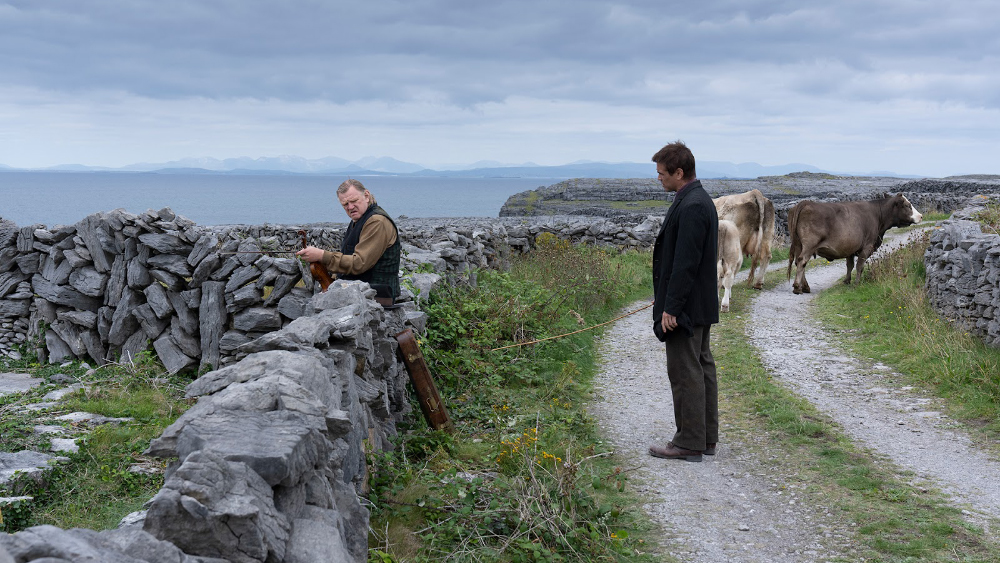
893 519
888 318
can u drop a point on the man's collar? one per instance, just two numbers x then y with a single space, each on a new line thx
685 186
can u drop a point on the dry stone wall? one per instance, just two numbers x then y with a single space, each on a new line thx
267 465
117 284
963 274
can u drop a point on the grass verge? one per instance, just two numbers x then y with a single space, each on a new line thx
894 520
525 476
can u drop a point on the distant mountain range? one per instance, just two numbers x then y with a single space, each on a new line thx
377 166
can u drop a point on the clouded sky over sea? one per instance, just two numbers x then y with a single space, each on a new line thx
908 86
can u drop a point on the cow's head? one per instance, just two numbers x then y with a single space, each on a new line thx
903 212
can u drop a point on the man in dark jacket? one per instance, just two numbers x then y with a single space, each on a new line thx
686 304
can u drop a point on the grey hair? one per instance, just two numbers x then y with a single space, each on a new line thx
356 184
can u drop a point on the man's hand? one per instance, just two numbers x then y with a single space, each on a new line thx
311 254
668 322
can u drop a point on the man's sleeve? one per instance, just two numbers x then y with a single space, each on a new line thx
376 236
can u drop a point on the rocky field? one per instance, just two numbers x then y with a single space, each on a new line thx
632 200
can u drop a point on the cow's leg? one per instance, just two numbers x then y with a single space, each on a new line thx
753 269
765 260
850 266
862 260
759 280
765 252
801 285
720 270
727 274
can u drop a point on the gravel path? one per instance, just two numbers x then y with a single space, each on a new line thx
741 505
865 400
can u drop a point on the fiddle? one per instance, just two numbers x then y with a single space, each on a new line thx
317 270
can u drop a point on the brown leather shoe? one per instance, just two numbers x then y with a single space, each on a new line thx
709 449
673 452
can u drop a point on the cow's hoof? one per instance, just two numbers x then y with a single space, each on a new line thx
758 285
725 308
796 290
806 289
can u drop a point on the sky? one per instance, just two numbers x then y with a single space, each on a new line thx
904 86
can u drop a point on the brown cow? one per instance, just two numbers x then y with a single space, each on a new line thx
730 259
842 230
753 215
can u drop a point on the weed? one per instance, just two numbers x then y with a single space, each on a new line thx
524 478
989 218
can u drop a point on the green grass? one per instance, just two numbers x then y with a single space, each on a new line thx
894 519
95 489
934 216
530 200
539 484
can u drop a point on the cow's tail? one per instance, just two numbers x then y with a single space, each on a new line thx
795 247
768 239
762 250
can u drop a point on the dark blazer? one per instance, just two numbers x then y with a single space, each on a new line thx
685 279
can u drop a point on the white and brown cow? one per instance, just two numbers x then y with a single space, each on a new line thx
753 215
730 259
849 229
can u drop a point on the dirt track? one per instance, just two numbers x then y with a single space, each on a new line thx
740 505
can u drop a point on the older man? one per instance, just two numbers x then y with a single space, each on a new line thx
370 250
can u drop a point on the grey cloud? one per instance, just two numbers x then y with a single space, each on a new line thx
470 52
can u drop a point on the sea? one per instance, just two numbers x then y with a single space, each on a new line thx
64 198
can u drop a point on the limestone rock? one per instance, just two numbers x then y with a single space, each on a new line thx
212 321
169 244
65 296
218 508
88 281
174 360
311 369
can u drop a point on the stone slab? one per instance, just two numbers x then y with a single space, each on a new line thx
11 383
60 393
23 461
64 445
